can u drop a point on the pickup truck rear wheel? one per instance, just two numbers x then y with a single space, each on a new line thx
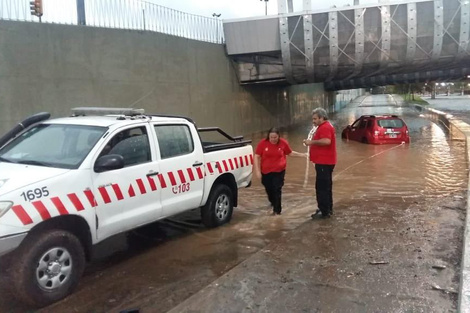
219 207
48 267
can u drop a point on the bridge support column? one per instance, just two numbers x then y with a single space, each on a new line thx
433 90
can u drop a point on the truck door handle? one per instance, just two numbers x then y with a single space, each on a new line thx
152 174
197 164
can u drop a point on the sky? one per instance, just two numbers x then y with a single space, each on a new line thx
231 9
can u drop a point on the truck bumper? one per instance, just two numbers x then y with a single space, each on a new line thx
10 242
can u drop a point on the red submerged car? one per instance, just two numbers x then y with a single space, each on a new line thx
377 130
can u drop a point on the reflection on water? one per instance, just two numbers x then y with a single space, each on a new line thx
430 165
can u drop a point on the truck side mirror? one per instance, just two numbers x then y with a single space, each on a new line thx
108 163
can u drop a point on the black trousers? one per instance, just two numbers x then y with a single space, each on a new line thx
273 183
324 188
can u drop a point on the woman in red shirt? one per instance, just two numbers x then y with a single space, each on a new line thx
270 166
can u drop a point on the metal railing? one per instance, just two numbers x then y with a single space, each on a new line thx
122 14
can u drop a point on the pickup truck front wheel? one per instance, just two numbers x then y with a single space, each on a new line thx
219 207
48 267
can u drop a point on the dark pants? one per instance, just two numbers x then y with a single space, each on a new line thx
273 183
324 188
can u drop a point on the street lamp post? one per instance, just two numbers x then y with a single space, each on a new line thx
265 6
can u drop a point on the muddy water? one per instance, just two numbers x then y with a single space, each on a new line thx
430 166
456 105
161 265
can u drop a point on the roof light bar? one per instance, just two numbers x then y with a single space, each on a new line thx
106 111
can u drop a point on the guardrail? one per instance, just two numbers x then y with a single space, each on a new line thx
121 14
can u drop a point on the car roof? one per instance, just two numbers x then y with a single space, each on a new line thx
382 116
114 120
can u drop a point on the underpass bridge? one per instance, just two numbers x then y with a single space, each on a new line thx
353 46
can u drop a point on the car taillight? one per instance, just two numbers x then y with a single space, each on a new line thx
376 133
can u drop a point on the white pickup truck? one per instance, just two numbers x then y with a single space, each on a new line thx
69 183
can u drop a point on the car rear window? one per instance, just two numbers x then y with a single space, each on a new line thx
391 123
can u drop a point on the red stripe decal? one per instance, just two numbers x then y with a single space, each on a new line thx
190 173
91 198
22 215
118 192
131 191
199 173
181 175
162 180
42 210
104 194
153 186
241 162
217 164
209 167
59 206
236 162
172 178
225 165
251 159
246 160
76 202
231 164
140 183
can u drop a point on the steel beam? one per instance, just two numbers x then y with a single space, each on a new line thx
333 33
308 43
412 31
290 6
386 35
438 29
285 48
359 39
281 6
464 29
307 6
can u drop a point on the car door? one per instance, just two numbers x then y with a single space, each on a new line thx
128 197
354 130
181 162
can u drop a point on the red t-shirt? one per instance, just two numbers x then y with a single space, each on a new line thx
324 154
273 156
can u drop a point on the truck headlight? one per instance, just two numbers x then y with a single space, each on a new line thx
4 207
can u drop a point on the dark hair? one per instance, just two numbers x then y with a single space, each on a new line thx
273 130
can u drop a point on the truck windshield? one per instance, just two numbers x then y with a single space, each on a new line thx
53 145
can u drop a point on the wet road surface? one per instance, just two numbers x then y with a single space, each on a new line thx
401 205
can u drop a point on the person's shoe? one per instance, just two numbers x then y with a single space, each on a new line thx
316 214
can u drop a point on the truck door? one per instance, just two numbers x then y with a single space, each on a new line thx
127 197
181 167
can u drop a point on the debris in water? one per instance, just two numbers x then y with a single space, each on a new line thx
378 262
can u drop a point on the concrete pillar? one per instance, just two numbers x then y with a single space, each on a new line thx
433 90
356 2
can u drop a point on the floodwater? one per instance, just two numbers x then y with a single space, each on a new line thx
456 105
389 204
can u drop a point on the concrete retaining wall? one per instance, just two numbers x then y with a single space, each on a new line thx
53 68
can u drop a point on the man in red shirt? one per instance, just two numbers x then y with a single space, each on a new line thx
323 155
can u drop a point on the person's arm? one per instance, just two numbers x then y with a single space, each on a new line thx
318 142
257 166
297 154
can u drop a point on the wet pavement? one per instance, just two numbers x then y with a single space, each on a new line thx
393 245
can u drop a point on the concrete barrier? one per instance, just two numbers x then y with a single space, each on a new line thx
458 130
